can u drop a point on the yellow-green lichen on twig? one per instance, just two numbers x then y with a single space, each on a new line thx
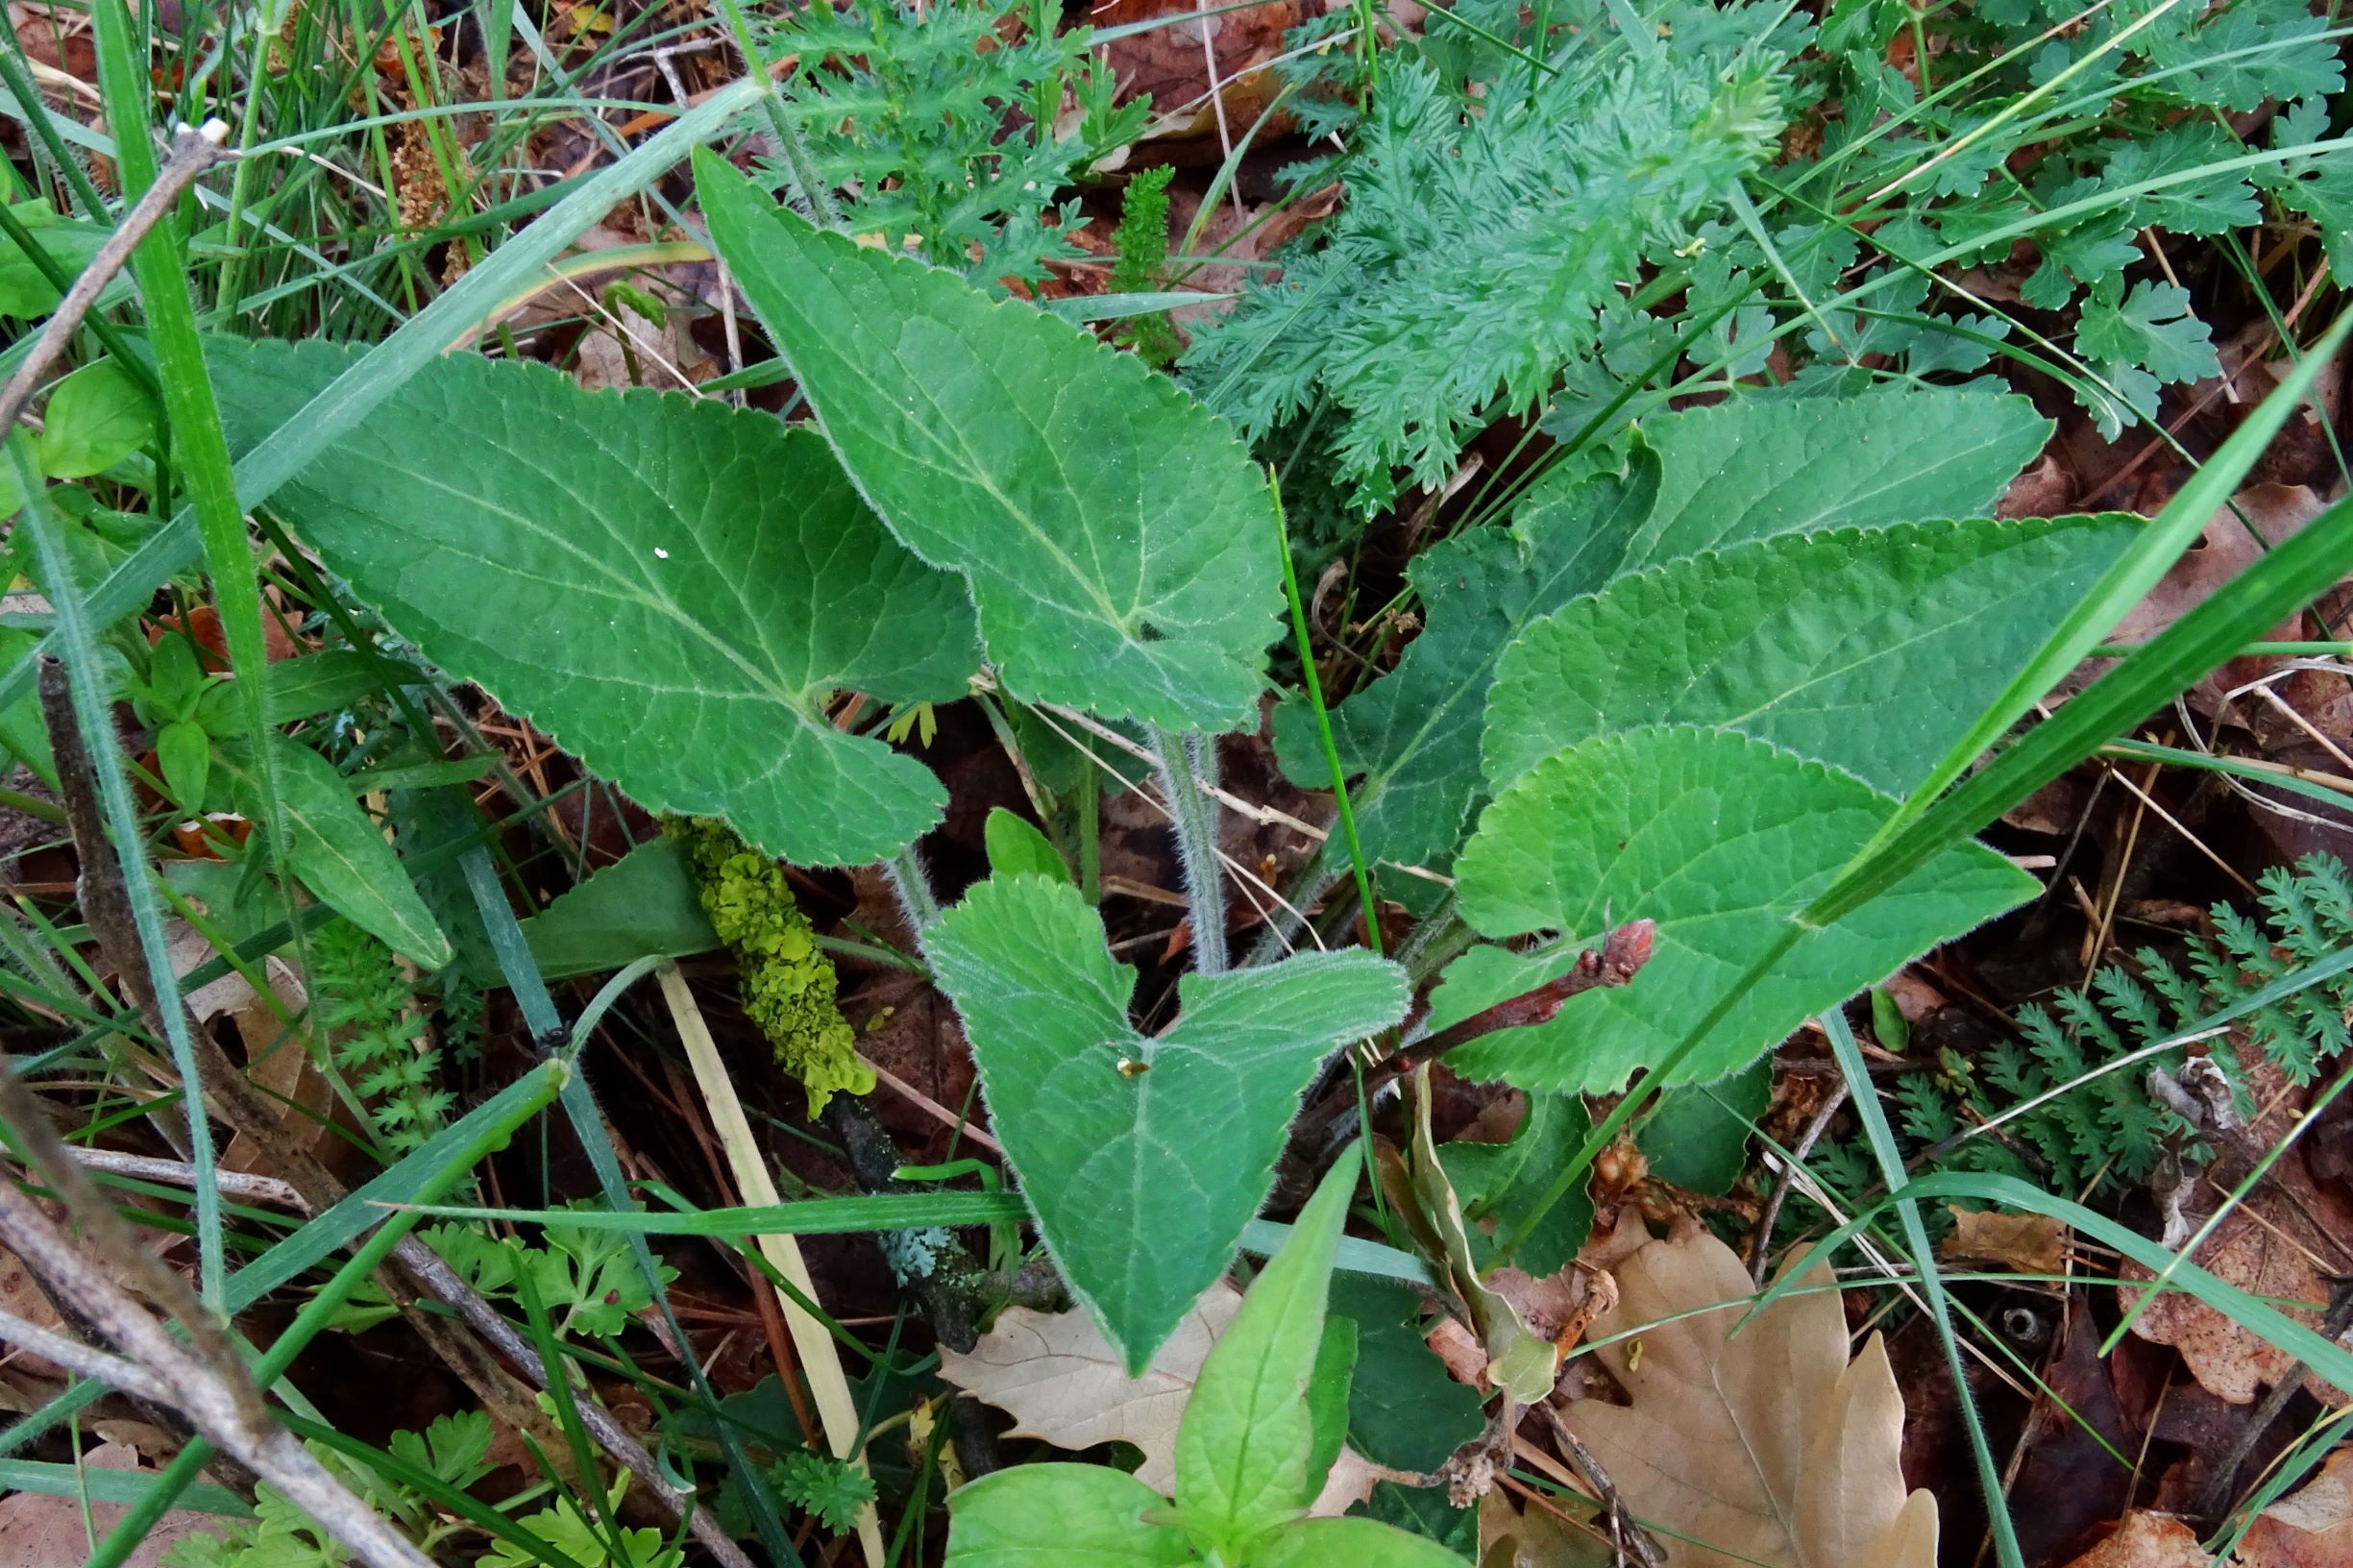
786 980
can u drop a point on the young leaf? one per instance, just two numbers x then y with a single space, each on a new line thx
1017 848
1350 1543
1870 649
1242 1451
1750 470
671 588
1719 839
1143 1157
1059 1516
1766 1447
1117 538
96 417
337 852
644 904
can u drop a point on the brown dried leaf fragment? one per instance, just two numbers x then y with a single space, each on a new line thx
1770 1447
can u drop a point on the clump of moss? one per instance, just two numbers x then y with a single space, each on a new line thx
787 982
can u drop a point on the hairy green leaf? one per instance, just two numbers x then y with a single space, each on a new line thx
1719 839
1243 1447
1870 649
1414 734
1143 1157
673 589
1017 848
1119 541
1059 1516
1751 469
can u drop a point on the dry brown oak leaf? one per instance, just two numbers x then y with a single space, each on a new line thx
1061 1383
1769 1446
2283 1242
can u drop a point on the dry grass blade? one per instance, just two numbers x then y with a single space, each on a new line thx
820 1362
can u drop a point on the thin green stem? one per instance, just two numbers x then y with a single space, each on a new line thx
1323 723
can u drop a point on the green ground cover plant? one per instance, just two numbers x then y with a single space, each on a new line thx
1654 407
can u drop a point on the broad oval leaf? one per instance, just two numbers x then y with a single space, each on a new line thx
333 847
1143 1158
1242 1452
1059 1516
1719 839
1870 649
1351 1543
670 588
1118 540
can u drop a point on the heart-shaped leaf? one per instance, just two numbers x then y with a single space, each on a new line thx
1119 539
1143 1158
1719 839
670 588
1870 649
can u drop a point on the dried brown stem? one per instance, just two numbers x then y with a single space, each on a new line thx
193 152
217 1397
1628 1536
1761 1246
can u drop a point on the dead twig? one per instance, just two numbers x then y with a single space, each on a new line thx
1760 1244
1625 1534
193 152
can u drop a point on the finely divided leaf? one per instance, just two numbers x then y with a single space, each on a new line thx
1719 839
1749 469
670 588
1118 540
1142 1156
1412 735
1870 649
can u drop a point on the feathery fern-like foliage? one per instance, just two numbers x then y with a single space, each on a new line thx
2109 1131
373 1017
940 122
1481 240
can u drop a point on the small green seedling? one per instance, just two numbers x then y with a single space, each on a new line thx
1248 1461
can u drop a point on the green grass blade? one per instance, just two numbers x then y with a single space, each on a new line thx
77 641
452 319
809 1216
200 450
2122 585
2259 596
1882 1138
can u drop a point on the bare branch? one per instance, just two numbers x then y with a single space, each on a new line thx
193 152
